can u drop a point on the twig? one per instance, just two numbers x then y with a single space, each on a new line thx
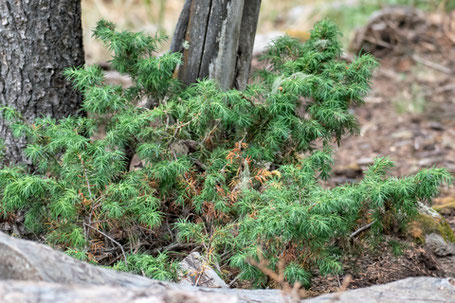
172 246
86 178
346 281
358 231
433 65
441 89
378 42
234 280
89 194
199 276
210 133
338 280
295 293
110 238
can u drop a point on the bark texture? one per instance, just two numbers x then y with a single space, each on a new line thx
39 39
216 38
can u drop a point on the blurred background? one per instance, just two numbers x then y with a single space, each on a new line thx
294 17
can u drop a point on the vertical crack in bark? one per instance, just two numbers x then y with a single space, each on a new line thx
246 42
205 38
215 31
225 60
237 71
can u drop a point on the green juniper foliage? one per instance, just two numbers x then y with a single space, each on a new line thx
230 173
159 267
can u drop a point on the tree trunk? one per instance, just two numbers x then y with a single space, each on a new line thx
39 39
216 38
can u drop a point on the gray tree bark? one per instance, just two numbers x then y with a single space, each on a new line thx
38 40
216 38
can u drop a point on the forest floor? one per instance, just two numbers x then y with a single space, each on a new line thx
409 116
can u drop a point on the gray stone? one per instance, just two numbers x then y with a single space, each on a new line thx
55 277
426 210
116 78
403 134
43 292
415 290
365 161
262 41
436 244
194 271
27 260
66 277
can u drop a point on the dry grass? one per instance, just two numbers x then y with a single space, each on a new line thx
150 16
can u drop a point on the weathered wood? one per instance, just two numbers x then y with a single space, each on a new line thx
220 36
180 28
218 13
195 36
246 42
38 40
223 64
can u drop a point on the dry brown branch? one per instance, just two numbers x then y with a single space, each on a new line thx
358 231
346 281
290 294
432 65
110 238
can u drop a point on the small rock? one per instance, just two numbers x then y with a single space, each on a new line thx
430 161
447 211
116 78
448 141
262 41
179 148
350 171
426 210
136 163
193 270
365 161
403 134
439 246
436 125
